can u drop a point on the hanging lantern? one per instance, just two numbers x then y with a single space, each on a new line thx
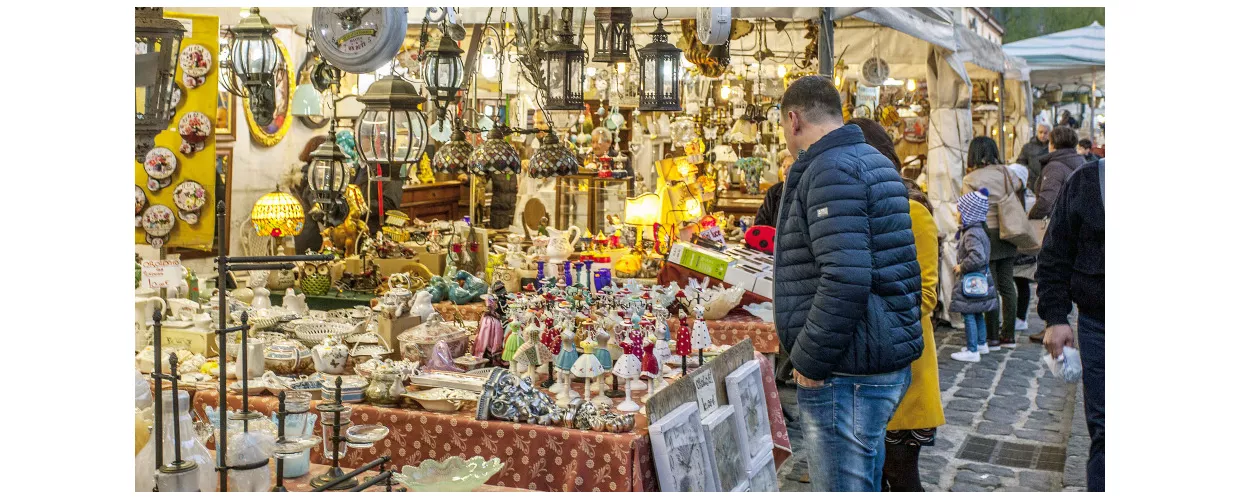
612 34
453 156
443 71
328 176
660 77
391 131
552 159
564 70
277 214
158 44
495 156
252 61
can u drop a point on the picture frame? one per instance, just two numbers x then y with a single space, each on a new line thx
225 117
745 392
681 458
727 449
762 474
272 133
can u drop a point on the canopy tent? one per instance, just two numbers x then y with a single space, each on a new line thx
1066 58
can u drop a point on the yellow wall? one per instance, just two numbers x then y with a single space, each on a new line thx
200 166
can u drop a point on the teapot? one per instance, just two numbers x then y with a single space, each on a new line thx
330 356
202 321
560 245
183 309
295 302
287 357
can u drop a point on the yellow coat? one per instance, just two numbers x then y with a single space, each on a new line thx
921 407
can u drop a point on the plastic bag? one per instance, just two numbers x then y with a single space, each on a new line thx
1067 366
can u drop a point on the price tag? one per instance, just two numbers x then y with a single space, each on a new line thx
704 382
161 273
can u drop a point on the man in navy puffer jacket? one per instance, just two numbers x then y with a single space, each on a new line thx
847 288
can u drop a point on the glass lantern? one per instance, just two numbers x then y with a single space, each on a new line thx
253 59
443 71
612 35
660 73
391 131
328 173
564 69
157 46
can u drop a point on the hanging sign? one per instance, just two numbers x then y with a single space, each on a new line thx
704 382
158 274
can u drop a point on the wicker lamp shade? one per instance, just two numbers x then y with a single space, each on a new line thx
278 214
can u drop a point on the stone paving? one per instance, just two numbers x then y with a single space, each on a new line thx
1009 396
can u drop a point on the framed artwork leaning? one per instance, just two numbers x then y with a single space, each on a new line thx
745 392
681 457
727 448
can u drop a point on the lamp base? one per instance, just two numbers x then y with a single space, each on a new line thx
330 476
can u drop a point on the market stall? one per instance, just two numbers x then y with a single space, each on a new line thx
1068 69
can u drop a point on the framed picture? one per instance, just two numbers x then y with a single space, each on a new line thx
727 449
680 455
762 476
745 392
270 134
225 117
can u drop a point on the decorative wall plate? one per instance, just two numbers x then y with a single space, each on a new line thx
177 95
158 222
189 198
271 134
139 201
359 39
195 60
195 128
160 163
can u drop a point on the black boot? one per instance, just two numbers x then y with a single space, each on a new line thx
900 472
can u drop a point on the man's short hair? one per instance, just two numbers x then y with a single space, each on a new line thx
815 98
1086 143
1063 137
1044 125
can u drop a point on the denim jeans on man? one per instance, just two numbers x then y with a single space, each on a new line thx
1090 336
974 330
845 422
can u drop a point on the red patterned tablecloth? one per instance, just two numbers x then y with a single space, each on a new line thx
536 457
736 327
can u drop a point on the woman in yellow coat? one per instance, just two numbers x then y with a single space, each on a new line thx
921 410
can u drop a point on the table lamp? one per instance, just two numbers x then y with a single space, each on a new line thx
642 211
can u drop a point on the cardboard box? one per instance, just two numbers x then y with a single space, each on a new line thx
702 260
764 284
742 274
389 329
195 341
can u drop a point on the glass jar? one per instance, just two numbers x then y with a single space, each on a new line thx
192 450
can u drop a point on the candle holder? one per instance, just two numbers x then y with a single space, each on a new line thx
335 479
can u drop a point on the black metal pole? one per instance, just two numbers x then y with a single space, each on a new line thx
336 426
282 413
266 259
381 477
243 357
375 463
221 286
159 393
176 407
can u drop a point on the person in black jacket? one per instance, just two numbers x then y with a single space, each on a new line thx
1085 148
847 293
1071 269
767 212
1033 151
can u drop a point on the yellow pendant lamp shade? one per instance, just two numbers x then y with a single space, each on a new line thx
278 214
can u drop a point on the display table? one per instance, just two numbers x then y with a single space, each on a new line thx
303 483
736 327
472 311
537 457
327 302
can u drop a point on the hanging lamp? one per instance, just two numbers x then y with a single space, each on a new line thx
158 44
443 71
660 73
564 70
391 131
454 155
277 214
495 155
612 34
552 159
252 61
328 174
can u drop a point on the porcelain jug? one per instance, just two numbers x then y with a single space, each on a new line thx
262 298
254 359
329 356
144 309
295 303
560 245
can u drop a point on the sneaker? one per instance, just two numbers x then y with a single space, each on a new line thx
1009 343
993 344
1021 325
967 356
983 349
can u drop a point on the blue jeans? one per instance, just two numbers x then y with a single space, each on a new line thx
844 423
1092 342
974 330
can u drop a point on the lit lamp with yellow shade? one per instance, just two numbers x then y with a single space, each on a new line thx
278 214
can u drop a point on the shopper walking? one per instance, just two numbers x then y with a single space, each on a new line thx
1071 269
848 288
974 291
1085 148
921 411
987 171
1025 264
1060 163
1032 152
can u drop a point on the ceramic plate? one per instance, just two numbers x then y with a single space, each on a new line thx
195 125
177 93
139 200
190 196
158 220
160 163
195 60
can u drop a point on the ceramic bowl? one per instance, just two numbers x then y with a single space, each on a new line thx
453 474
364 436
312 332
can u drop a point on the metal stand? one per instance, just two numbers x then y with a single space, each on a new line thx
335 479
282 413
177 466
337 483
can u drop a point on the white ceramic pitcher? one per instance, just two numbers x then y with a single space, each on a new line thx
561 244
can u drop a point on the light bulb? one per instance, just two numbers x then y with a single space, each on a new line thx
839 80
245 13
726 90
912 85
782 71
488 64
590 72
621 68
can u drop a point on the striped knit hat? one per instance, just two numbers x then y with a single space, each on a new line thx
973 207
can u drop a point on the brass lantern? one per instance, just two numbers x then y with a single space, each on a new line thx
158 44
660 77
443 71
328 174
391 131
252 61
564 69
612 35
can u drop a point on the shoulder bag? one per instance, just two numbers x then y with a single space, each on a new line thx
1014 226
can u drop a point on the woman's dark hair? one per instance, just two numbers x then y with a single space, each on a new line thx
983 152
310 146
1086 143
1063 137
876 136
916 194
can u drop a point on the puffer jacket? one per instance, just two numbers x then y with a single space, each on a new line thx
1059 166
973 256
847 282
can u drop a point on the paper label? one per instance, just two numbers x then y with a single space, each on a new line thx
161 273
704 382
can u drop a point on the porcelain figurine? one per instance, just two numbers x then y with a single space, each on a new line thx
468 288
262 298
422 305
438 288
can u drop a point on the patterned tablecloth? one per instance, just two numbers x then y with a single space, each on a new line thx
469 312
536 457
738 326
303 483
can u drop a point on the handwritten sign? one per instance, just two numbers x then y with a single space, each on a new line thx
704 382
161 273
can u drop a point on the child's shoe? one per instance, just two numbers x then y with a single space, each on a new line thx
967 356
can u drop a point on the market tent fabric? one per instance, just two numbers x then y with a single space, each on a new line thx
1066 57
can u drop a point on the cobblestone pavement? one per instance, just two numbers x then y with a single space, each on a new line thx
1009 397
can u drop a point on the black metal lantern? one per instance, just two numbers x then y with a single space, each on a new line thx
391 131
158 44
443 71
563 67
328 174
612 35
252 61
660 77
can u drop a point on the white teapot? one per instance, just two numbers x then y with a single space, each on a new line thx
560 244
330 356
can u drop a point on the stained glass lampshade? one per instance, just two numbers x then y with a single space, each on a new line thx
278 214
